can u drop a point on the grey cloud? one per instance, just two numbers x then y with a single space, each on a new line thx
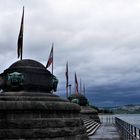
100 39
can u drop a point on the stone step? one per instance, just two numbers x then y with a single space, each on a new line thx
94 130
91 126
87 124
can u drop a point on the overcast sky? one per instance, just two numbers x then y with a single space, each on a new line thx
99 38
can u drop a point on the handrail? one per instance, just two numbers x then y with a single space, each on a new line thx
127 131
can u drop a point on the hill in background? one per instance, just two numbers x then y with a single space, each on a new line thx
126 109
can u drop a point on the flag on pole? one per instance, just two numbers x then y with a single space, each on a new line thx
20 38
67 76
76 84
50 60
67 79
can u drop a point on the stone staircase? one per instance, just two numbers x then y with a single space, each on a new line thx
91 126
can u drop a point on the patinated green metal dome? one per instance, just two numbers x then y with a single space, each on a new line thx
79 99
28 75
27 63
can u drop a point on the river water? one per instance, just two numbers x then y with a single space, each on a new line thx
133 119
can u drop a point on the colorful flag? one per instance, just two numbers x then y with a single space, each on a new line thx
76 84
20 38
50 60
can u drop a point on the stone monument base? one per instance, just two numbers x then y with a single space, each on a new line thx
39 116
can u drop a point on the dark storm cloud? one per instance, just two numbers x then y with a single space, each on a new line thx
114 96
100 39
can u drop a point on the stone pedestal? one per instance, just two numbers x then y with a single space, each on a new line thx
89 113
86 111
39 116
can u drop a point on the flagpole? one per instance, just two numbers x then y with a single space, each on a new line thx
76 85
84 89
52 67
21 56
67 80
53 58
80 86
52 61
67 92
70 89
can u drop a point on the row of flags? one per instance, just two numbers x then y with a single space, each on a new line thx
50 59
76 83
20 44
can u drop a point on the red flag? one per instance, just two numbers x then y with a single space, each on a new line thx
50 60
20 38
76 84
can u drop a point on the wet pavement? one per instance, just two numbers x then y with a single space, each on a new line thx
106 132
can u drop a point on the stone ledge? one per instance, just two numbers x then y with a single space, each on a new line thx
77 137
41 133
31 98
40 123
38 105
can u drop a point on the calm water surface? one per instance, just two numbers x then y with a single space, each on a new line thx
131 118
